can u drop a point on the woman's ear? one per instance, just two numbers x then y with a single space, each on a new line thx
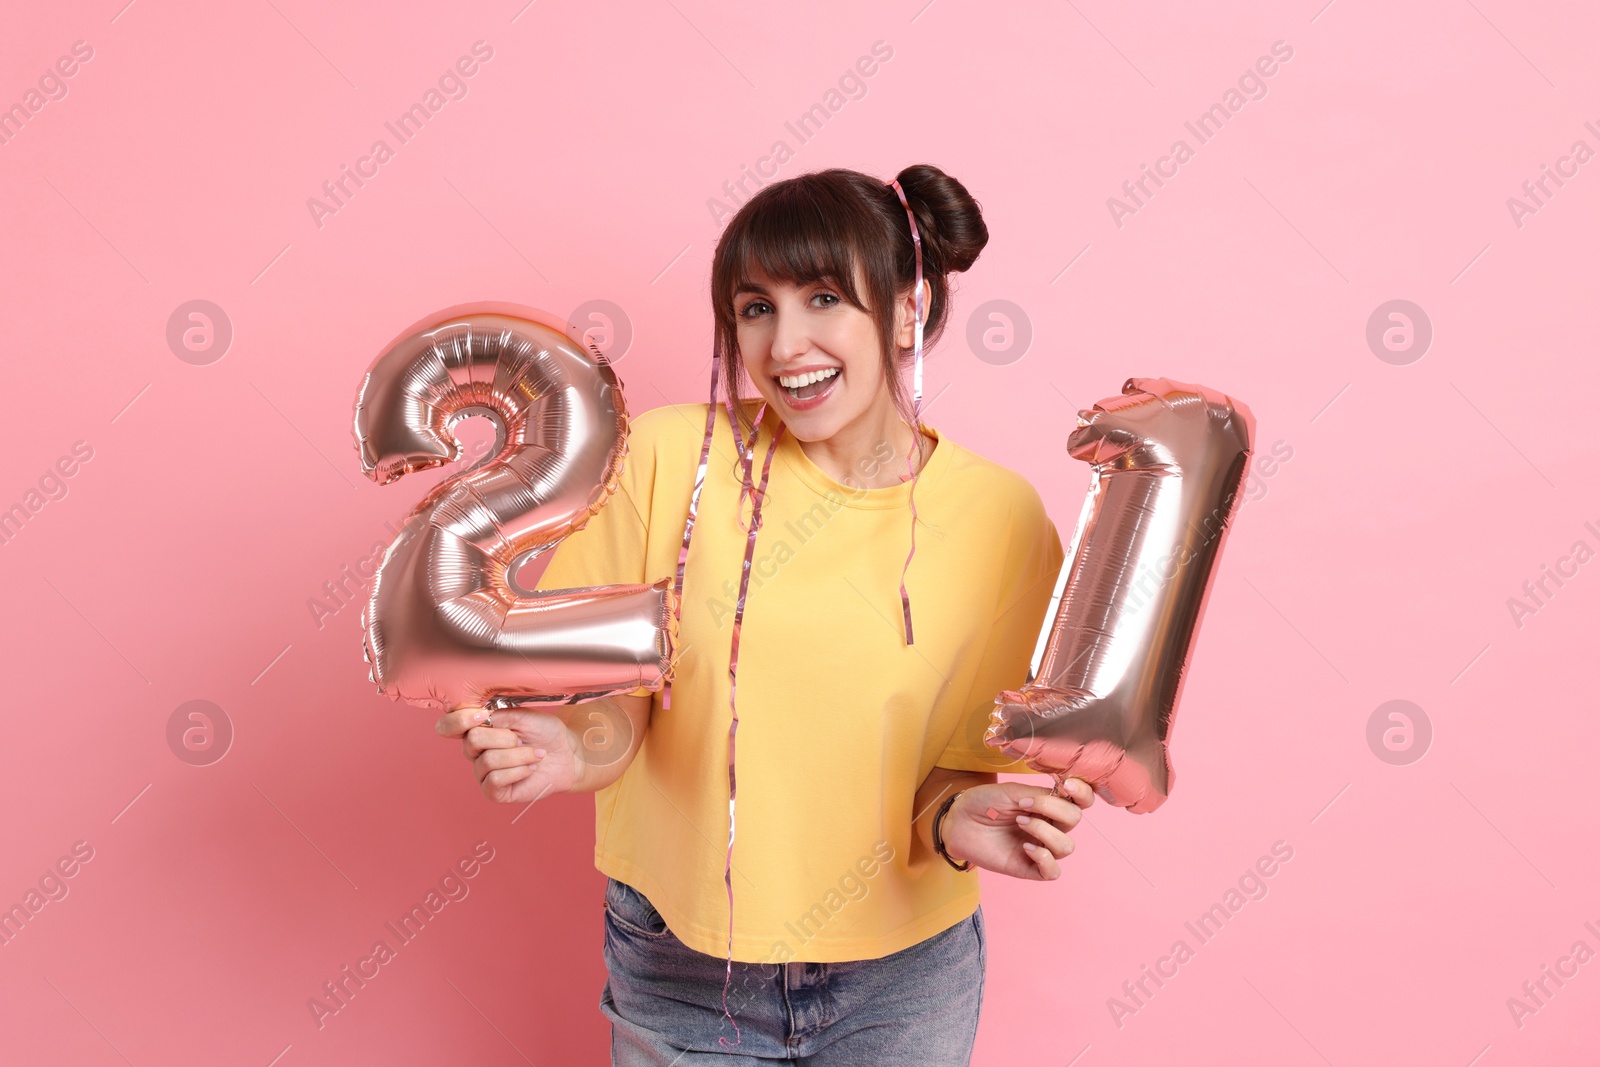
906 314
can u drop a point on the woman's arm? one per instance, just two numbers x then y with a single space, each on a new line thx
940 783
1008 827
606 734
528 754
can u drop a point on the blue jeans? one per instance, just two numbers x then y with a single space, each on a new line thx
664 1000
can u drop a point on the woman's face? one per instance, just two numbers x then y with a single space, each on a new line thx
793 333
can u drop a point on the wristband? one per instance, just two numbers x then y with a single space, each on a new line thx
938 841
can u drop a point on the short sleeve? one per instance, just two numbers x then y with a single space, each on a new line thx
1033 562
612 547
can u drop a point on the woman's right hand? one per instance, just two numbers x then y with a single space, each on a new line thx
523 757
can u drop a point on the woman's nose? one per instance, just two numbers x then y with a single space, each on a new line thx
790 337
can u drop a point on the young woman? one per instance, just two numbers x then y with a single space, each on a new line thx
819 904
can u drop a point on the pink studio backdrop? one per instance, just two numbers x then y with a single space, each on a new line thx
1407 492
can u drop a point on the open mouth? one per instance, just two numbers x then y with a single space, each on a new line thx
809 388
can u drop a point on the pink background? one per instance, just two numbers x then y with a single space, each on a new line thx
1376 566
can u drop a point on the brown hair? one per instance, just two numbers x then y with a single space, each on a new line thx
819 226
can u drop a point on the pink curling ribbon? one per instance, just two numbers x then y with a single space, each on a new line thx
745 455
746 451
694 506
757 495
916 407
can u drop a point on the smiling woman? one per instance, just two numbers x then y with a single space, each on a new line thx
838 243
789 552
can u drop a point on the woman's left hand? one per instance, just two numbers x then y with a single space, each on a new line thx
1015 829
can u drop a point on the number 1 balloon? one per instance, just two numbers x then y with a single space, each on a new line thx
446 624
1168 461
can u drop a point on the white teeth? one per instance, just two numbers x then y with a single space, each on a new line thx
795 381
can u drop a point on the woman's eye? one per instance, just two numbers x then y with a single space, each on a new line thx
752 308
827 296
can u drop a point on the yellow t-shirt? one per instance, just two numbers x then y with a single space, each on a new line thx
840 721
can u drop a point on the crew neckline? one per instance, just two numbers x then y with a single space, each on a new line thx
824 485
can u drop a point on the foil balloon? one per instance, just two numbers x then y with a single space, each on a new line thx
1168 461
446 625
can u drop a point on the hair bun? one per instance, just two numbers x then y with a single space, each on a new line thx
948 219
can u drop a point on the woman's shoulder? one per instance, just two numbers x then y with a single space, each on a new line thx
664 444
678 430
1013 509
668 424
995 484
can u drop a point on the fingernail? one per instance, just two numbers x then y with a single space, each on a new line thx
480 715
1029 846
1023 819
1026 802
539 752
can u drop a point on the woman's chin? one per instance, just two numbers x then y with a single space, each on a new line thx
813 424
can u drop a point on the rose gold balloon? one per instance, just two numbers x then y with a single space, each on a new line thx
445 624
1168 460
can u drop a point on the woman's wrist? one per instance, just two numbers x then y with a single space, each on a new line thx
940 784
599 738
939 844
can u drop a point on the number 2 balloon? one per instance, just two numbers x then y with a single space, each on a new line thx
446 625
1168 461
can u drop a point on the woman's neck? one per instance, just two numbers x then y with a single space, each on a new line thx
871 453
